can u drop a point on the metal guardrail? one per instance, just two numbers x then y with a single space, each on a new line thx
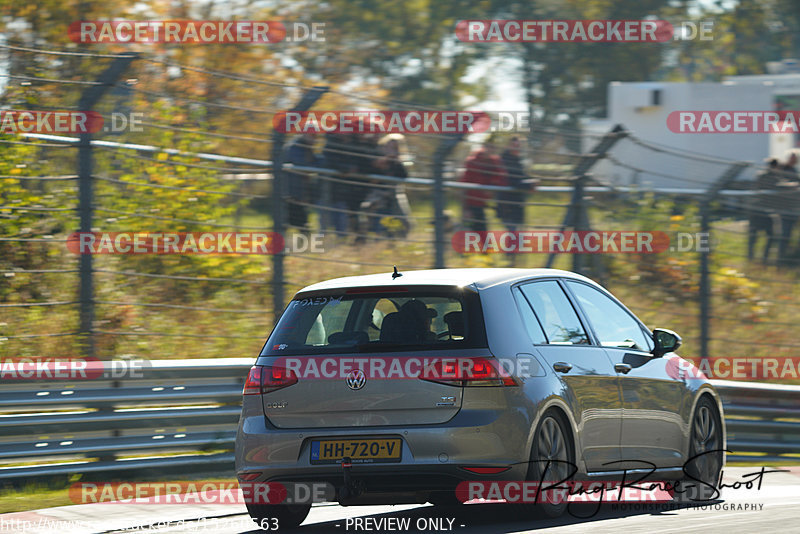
762 420
171 413
184 413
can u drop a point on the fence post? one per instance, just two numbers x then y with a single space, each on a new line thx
580 216
576 216
279 198
705 279
710 195
440 156
87 102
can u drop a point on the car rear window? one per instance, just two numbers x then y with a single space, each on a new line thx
374 320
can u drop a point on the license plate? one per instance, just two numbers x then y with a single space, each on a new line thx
360 451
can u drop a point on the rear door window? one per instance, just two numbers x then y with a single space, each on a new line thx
532 325
555 313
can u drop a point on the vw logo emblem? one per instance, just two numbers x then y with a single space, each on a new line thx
356 379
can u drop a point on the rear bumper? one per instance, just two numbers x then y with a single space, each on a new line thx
432 455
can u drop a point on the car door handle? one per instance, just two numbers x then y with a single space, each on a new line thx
562 367
623 368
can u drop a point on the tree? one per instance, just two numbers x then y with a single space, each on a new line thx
745 38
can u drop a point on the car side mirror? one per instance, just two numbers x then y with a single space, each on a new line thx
665 341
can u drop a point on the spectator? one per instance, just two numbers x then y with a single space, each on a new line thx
387 201
300 151
510 204
337 157
482 167
762 210
351 155
364 152
789 207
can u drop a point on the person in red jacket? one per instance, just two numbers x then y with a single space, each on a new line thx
483 167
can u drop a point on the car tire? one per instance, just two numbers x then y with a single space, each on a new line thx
551 441
287 516
706 435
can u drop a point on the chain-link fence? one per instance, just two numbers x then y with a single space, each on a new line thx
349 204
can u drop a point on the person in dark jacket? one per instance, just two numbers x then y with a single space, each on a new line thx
337 157
385 200
789 207
300 151
510 204
352 155
762 210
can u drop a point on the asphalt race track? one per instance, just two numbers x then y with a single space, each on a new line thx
772 508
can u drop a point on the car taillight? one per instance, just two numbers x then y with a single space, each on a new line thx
252 386
266 378
468 372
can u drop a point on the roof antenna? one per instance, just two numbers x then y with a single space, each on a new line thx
395 274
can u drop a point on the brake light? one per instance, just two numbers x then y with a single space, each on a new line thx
375 289
266 378
468 372
273 378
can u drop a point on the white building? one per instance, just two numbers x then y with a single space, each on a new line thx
643 107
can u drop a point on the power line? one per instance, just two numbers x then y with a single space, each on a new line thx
180 277
33 304
60 52
176 188
179 307
175 219
53 178
29 336
164 334
48 80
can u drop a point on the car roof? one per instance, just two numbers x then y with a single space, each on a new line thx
480 278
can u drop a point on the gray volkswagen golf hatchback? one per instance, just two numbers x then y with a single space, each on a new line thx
397 387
